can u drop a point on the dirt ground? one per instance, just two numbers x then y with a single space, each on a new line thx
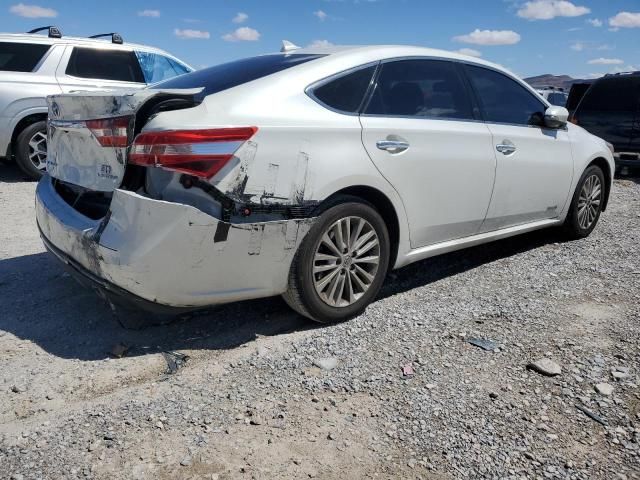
257 396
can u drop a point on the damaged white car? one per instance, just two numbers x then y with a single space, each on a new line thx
308 173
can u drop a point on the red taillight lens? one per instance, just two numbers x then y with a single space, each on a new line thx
202 153
573 119
111 132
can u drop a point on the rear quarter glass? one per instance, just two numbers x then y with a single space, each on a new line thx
21 57
228 75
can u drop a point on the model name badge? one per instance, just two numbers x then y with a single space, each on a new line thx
105 172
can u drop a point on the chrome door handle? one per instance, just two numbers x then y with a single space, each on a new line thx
506 147
392 146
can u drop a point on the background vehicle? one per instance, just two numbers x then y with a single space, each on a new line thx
554 95
307 173
610 109
34 66
575 95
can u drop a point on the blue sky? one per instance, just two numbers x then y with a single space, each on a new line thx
579 37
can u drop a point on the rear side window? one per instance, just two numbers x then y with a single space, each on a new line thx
614 94
115 65
229 75
346 92
503 99
21 57
420 88
157 68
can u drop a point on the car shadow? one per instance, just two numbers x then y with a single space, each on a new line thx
42 304
10 173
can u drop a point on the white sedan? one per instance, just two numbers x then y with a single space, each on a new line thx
308 173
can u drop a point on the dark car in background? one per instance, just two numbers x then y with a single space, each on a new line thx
610 109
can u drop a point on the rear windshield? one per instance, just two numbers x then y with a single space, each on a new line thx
615 94
21 57
229 75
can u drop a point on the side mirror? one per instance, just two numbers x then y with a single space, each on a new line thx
556 117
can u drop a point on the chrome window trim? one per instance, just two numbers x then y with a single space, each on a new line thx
309 91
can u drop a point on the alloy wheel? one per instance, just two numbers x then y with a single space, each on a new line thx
38 150
346 261
589 201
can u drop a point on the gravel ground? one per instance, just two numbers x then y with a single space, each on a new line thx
399 392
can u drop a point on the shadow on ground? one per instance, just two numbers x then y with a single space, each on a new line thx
43 304
10 173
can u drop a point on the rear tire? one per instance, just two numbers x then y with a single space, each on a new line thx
586 204
31 149
341 264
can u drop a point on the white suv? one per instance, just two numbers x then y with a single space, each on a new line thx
34 66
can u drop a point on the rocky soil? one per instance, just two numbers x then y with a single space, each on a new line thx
519 359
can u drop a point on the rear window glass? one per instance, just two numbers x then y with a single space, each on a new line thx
346 92
229 75
115 65
616 94
21 57
157 67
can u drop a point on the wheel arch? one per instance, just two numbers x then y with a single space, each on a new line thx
385 207
608 177
23 123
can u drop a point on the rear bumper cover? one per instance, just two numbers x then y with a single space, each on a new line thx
162 255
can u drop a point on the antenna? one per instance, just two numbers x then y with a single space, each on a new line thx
54 32
287 46
115 37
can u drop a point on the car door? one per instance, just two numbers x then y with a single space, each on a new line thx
92 68
421 132
534 163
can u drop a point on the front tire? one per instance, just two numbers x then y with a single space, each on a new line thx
31 150
586 204
341 264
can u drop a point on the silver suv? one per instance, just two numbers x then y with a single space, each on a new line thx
33 66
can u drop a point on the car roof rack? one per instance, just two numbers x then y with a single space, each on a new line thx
54 32
115 37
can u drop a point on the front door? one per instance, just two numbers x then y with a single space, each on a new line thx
534 163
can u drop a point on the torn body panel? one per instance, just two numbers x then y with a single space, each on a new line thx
75 154
146 245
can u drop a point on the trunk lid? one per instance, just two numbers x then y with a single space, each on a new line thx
79 121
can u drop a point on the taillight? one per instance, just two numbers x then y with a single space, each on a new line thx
202 153
111 132
573 119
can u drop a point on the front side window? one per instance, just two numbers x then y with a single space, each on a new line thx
157 68
420 88
100 64
503 100
21 57
229 75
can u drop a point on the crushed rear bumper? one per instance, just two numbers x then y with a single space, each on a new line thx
165 256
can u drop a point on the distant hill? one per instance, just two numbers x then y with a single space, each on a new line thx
564 81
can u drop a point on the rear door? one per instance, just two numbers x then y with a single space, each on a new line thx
92 68
534 163
420 130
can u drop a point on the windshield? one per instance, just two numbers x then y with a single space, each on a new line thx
228 75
